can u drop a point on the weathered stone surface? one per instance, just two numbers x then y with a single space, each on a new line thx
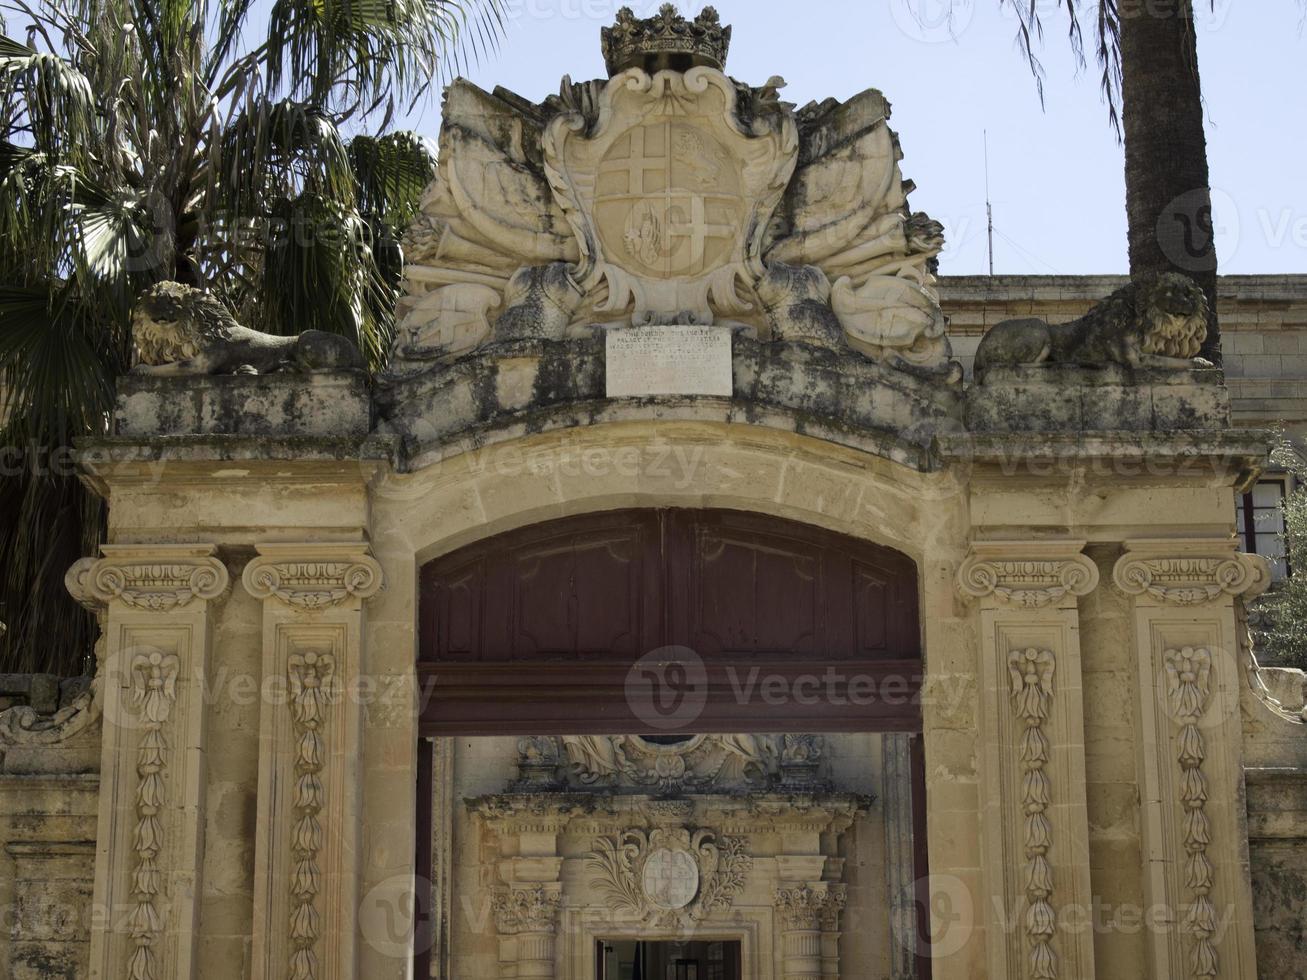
1277 830
48 801
533 387
282 405
1071 398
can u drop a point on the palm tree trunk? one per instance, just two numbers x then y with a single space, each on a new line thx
1168 198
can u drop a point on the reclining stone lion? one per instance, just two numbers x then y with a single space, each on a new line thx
1157 321
179 330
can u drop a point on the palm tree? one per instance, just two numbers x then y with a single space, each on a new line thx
1149 59
143 140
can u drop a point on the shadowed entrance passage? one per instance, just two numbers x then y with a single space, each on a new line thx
664 621
641 960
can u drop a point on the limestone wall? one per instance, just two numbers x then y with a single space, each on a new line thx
49 788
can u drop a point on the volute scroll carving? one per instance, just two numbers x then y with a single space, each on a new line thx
154 578
1189 573
312 577
1030 575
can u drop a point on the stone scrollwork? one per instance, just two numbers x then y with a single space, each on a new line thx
1186 579
147 577
153 694
310 676
1030 581
1032 673
1188 691
670 873
312 577
24 725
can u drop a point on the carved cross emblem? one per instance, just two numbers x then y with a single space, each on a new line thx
668 201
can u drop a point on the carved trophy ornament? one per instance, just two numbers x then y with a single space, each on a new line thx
1154 322
670 193
180 330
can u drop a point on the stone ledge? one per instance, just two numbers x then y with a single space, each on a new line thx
1066 398
281 405
537 386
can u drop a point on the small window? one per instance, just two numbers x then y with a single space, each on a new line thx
1259 516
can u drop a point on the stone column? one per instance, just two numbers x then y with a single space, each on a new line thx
809 916
307 845
829 920
155 604
1196 882
1035 828
526 916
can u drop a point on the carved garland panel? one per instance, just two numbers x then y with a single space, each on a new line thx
1033 762
310 676
153 694
153 602
1190 765
308 826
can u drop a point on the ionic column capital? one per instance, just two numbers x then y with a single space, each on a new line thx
1189 572
1029 574
313 576
148 577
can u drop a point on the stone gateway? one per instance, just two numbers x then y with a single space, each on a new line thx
671 604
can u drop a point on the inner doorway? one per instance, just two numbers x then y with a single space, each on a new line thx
636 959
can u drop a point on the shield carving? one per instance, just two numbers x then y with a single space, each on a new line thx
669 193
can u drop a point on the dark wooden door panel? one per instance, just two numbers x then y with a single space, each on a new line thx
568 590
532 628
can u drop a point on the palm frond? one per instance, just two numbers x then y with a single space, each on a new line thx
58 109
391 172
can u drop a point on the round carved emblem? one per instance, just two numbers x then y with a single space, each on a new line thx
670 879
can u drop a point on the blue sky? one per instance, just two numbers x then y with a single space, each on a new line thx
1055 174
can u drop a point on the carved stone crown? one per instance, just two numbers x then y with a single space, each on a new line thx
666 40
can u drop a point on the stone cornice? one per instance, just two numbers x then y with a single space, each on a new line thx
1029 574
1189 572
313 576
155 578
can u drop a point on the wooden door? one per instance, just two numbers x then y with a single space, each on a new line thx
768 624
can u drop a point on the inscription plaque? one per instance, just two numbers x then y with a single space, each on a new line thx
675 359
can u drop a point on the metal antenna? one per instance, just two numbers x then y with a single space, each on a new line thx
989 207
